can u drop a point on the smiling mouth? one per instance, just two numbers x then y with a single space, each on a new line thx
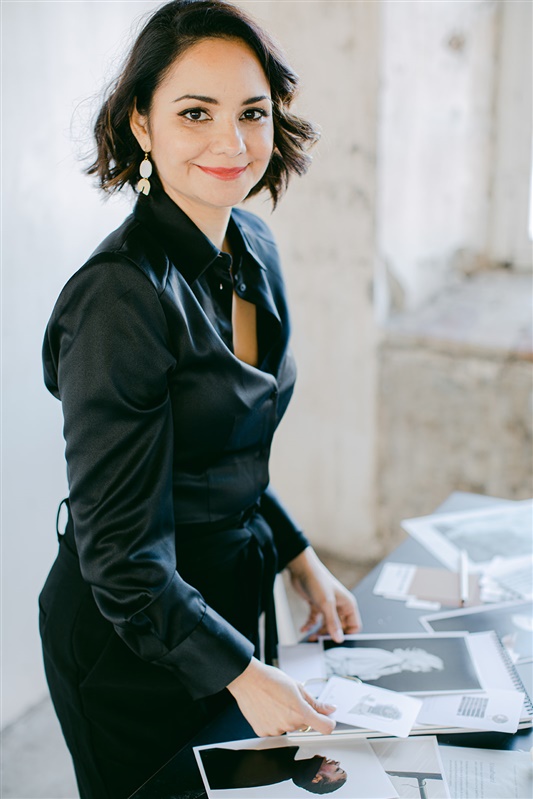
222 173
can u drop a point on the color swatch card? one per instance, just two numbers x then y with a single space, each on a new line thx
406 581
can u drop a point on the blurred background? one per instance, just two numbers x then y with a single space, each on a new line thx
407 254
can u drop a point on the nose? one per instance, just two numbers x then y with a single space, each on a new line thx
227 139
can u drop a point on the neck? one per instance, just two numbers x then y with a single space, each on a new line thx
213 222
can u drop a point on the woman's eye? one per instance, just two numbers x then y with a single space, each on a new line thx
253 114
195 114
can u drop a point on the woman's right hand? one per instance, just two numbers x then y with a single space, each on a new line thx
273 703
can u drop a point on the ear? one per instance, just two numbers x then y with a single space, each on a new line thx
139 128
318 778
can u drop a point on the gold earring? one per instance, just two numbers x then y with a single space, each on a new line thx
145 170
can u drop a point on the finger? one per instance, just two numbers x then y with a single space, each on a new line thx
333 623
318 721
351 621
311 620
321 707
348 611
324 708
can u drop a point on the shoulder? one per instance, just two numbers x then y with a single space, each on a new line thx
133 242
107 304
129 261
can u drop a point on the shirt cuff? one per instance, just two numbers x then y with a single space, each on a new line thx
211 657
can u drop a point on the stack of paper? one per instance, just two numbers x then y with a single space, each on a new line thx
497 541
464 682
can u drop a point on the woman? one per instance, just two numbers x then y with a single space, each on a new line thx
168 351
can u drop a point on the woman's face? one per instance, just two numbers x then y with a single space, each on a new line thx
331 771
210 129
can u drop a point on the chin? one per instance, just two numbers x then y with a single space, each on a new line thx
226 199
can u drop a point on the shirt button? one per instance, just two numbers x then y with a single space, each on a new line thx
242 287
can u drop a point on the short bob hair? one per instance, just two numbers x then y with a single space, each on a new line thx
172 29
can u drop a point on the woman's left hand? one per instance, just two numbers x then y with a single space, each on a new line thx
328 599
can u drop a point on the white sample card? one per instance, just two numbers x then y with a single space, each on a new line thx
497 710
362 705
276 768
487 773
394 580
513 574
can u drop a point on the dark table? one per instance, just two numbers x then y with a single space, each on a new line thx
180 778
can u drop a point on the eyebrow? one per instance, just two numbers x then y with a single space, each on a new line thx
203 99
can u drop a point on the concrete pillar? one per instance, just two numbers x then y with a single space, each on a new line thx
323 461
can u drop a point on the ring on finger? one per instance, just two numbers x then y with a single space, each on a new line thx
305 729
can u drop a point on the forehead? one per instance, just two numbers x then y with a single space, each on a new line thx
229 64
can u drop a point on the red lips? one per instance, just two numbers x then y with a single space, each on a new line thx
222 173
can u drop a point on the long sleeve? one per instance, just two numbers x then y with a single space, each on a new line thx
108 356
288 537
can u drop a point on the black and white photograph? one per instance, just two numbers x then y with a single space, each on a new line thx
504 531
414 767
414 664
273 768
512 622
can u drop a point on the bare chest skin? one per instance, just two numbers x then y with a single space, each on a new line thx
244 324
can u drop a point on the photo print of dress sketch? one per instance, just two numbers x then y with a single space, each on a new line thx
368 705
505 532
485 534
423 664
273 768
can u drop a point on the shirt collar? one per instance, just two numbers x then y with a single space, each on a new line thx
188 248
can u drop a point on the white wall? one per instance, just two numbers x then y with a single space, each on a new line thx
435 143
54 55
455 145
508 239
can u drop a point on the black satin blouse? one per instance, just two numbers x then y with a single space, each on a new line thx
168 433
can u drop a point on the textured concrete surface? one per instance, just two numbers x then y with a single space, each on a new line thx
455 399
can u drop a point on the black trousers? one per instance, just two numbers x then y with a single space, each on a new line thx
122 718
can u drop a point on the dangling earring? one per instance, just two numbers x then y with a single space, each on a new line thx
145 170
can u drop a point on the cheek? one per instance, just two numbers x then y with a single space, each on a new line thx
173 145
264 142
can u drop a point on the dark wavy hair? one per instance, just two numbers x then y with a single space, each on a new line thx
170 31
307 771
322 787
